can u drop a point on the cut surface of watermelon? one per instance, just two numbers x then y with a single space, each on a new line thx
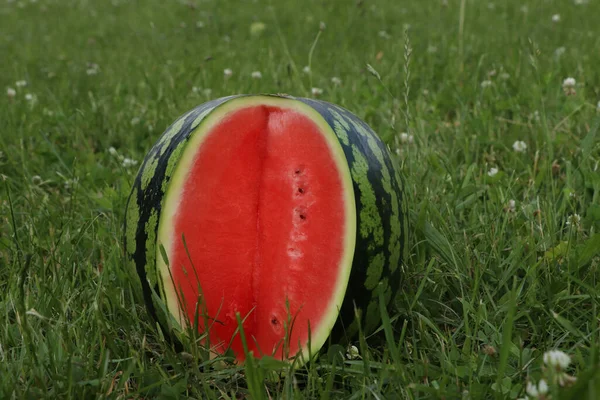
259 220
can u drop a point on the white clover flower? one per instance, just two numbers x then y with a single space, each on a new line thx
128 162
569 82
47 113
557 359
486 83
306 69
207 92
524 9
569 86
112 151
31 98
559 51
92 69
581 2
352 353
512 205
316 91
21 83
135 121
556 18
256 28
227 72
256 75
336 81
384 35
431 49
406 138
532 390
598 107
504 76
322 26
574 220
493 171
537 391
195 89
519 146
10 92
200 24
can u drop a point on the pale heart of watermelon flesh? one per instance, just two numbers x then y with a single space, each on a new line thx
263 215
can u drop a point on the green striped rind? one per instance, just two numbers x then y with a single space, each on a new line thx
145 204
381 218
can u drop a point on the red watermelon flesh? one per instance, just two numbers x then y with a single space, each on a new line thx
262 211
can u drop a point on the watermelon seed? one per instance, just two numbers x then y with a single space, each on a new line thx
301 211
301 190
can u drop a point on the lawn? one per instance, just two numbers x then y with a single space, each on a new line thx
490 108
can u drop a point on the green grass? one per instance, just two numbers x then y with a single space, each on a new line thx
488 288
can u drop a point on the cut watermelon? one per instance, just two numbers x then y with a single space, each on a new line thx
286 211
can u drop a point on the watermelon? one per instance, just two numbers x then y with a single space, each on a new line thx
285 211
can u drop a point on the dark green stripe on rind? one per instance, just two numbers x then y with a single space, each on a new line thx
145 203
381 217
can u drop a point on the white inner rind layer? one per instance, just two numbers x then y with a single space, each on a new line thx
166 236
